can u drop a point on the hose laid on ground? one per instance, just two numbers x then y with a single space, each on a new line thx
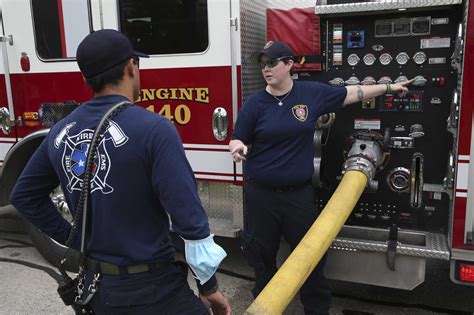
284 285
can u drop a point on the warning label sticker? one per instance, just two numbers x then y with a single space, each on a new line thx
435 42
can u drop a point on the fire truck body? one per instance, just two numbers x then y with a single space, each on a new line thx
199 74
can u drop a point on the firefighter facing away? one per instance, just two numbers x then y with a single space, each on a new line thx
274 135
142 181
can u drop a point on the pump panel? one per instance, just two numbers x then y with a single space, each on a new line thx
413 186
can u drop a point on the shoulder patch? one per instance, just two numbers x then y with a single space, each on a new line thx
75 154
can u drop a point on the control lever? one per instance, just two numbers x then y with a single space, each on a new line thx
416 185
386 139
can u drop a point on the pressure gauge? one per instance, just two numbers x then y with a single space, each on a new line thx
368 81
369 59
353 59
401 78
419 58
352 81
419 81
402 58
384 80
337 82
385 59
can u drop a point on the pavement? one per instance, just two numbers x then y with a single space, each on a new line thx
28 285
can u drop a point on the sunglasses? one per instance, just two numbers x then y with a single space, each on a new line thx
272 62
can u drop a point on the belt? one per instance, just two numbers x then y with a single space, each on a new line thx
280 188
111 269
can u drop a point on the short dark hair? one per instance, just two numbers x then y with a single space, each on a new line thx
285 60
110 77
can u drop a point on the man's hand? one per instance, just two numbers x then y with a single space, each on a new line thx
217 303
238 150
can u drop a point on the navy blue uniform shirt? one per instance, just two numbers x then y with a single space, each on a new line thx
281 137
142 175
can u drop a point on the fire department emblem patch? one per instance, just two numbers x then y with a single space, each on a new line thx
300 112
75 155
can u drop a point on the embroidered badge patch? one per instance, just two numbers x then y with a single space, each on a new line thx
75 155
300 112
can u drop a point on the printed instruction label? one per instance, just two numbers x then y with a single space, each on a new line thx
439 21
435 42
437 60
372 124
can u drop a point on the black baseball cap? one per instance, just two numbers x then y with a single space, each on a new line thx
101 50
273 49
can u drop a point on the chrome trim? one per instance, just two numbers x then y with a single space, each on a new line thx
6 66
5 122
101 10
220 123
380 5
234 27
417 180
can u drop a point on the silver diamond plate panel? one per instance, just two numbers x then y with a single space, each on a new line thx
436 247
381 5
290 4
252 37
224 207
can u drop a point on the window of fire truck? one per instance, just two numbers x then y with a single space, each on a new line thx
165 26
59 27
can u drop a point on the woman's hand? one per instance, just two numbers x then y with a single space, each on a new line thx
401 88
238 150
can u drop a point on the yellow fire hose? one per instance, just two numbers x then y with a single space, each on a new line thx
284 285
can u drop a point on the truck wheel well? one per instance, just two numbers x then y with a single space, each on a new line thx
14 164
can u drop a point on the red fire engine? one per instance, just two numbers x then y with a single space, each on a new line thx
419 205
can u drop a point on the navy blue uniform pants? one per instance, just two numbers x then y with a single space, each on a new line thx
271 214
162 291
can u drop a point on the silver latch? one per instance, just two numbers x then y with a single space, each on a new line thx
233 23
220 123
8 39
